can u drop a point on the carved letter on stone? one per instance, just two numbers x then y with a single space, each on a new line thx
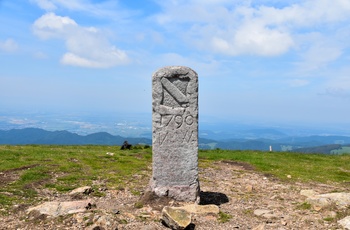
175 133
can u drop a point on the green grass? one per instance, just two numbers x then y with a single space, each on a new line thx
301 167
224 217
63 168
304 206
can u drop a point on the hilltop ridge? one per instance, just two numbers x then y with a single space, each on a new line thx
308 144
40 136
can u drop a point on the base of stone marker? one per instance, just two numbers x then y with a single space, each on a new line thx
178 192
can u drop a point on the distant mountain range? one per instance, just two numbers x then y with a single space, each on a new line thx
43 137
277 141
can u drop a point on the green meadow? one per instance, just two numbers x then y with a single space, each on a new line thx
25 170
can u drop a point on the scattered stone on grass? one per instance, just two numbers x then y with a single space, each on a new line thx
55 208
176 218
86 190
200 209
340 200
345 223
268 214
307 192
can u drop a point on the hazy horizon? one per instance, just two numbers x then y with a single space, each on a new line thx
140 124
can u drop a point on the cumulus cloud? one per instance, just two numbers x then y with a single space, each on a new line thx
52 26
249 27
86 46
253 39
9 45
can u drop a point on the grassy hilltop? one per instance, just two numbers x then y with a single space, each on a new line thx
24 169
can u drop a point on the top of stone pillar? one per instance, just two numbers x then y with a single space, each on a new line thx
182 95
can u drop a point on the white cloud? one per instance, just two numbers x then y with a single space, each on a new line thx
326 10
51 5
106 9
254 39
203 66
318 55
9 45
107 60
81 5
249 27
52 26
86 46
45 4
317 50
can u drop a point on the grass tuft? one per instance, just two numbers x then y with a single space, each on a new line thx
224 217
304 206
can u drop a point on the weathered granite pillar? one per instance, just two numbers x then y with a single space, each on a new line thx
175 133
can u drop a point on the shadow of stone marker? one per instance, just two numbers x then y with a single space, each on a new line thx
175 133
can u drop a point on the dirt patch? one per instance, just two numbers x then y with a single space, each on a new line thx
73 160
7 178
139 155
37 184
21 168
156 202
11 175
20 208
243 165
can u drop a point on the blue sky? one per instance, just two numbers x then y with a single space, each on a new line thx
261 61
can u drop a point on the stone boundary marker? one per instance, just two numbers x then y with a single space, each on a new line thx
175 133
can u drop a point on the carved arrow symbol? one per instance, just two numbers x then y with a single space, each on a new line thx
174 91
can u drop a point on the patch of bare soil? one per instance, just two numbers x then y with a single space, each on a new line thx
9 176
247 200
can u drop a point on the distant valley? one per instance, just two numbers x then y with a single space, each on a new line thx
278 141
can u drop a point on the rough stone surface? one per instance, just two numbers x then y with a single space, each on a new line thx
307 192
61 208
265 213
341 200
175 133
260 227
82 190
176 218
200 209
345 223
